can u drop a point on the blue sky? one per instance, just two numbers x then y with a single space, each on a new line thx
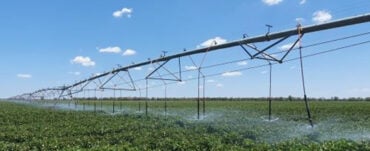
46 43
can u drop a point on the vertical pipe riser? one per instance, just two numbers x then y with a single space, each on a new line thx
304 89
270 89
198 99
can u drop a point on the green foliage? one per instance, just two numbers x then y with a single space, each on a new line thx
233 125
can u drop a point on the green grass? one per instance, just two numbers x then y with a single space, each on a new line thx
236 125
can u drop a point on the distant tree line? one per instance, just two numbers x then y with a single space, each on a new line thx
289 98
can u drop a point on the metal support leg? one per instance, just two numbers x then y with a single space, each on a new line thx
165 107
204 96
69 103
114 99
101 105
270 91
198 99
139 106
146 94
304 89
95 106
101 101
140 97
120 101
165 100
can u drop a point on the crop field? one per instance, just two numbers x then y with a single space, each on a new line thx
226 125
185 75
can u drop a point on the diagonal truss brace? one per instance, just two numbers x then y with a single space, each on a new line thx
268 47
131 83
262 55
175 77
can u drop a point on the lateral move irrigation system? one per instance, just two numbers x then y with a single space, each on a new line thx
246 44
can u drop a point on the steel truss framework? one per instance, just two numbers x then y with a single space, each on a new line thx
247 44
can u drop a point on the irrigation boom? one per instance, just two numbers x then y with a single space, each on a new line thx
313 28
246 42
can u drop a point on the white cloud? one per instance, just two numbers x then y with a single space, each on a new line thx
302 2
286 47
321 16
75 73
242 63
24 76
361 90
129 52
292 67
191 67
271 2
263 72
211 81
150 69
138 68
110 50
212 42
122 12
219 85
84 61
231 74
299 19
181 83
365 90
